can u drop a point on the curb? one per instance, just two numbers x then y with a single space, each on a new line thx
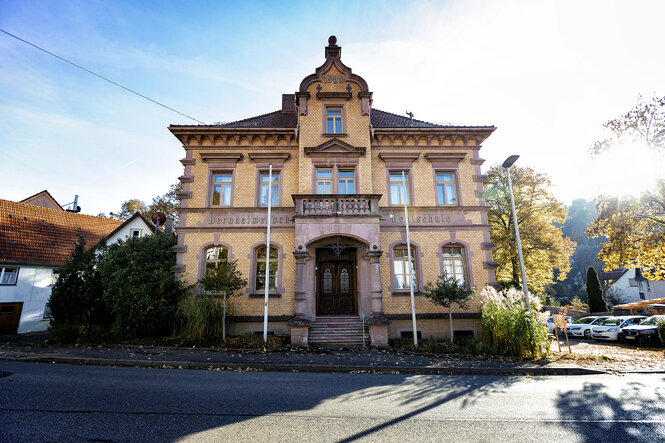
280 367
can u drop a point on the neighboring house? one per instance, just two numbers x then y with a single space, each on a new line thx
624 286
35 241
43 199
338 243
135 226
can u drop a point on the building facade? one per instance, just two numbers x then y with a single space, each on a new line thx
341 173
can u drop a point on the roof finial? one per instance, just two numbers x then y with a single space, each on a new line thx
332 50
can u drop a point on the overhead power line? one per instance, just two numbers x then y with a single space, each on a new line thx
101 76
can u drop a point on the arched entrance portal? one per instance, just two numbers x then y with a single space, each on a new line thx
336 284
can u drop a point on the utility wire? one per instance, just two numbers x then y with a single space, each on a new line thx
102 77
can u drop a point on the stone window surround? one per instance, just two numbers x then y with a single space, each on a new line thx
324 126
335 163
417 261
251 289
220 163
202 254
446 162
466 254
398 162
263 161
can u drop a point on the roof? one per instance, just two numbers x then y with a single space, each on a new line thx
612 275
128 221
639 304
378 119
44 199
33 234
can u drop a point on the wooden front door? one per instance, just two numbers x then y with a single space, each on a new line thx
10 315
336 287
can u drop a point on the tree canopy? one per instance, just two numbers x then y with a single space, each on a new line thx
634 232
644 123
167 203
544 246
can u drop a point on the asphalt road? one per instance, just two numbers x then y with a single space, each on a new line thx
50 402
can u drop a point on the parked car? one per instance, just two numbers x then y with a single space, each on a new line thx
582 327
550 323
644 333
610 328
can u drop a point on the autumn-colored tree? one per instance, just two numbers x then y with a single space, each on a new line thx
644 123
633 231
167 203
543 245
128 208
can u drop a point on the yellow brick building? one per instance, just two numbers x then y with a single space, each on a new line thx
341 173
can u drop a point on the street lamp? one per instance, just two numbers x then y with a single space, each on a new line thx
506 165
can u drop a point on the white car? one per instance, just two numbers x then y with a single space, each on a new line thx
582 327
610 328
550 323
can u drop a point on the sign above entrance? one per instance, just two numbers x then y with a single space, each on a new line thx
235 219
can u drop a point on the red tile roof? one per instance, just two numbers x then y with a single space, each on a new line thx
33 234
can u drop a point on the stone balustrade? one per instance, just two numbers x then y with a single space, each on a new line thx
337 205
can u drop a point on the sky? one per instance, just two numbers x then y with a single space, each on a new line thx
547 74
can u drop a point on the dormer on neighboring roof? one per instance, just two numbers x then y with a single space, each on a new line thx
135 226
43 199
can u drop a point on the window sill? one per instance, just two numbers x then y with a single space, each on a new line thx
402 293
263 295
339 134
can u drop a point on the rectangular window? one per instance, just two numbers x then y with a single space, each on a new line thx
324 181
54 276
445 188
263 190
8 276
221 189
401 268
135 233
47 312
334 120
346 182
272 263
399 191
453 263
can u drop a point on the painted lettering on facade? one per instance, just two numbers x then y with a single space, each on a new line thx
430 219
333 79
247 220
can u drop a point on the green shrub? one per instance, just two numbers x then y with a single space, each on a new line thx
140 288
661 331
508 328
77 303
201 317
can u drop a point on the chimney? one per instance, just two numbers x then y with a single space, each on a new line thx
288 103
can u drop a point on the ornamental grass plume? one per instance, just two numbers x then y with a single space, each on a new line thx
507 326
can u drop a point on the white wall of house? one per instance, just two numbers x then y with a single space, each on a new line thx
628 291
128 230
33 288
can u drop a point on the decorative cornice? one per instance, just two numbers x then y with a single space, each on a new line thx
186 179
482 178
445 157
221 156
187 161
488 246
399 156
477 161
335 146
329 95
490 265
184 195
265 156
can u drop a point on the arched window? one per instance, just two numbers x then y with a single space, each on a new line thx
262 261
453 262
401 268
214 255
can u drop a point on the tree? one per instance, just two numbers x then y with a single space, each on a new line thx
129 208
594 291
645 122
224 279
446 291
633 232
167 203
544 246
77 301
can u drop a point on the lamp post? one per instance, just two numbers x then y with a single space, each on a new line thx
506 165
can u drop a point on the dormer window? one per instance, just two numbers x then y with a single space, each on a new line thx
333 120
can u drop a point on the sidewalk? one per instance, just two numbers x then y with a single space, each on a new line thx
351 360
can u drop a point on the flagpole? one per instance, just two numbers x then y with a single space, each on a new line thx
408 249
266 282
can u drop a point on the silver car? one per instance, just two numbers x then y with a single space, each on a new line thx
582 327
610 328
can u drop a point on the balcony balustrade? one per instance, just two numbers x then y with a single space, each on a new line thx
337 205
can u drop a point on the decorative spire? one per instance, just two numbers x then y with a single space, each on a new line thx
332 50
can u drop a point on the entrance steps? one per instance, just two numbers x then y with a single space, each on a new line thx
337 331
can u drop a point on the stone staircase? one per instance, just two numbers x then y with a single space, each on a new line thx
338 331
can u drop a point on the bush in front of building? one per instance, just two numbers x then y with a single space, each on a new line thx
139 287
77 302
508 328
252 340
446 291
661 331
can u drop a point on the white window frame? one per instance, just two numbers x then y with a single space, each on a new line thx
4 271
